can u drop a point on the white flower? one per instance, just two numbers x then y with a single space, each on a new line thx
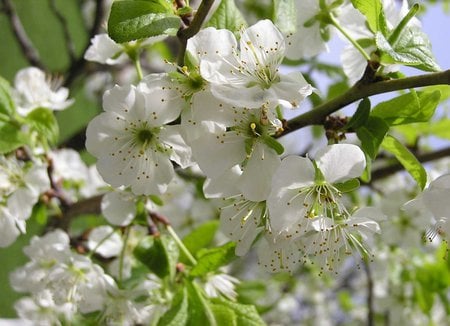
104 50
131 141
32 90
299 193
307 41
249 76
105 241
434 201
119 207
221 284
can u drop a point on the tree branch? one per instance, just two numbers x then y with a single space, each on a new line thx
28 49
194 27
317 115
65 28
77 66
396 167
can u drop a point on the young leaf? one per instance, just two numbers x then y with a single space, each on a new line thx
348 185
371 135
407 159
11 137
200 312
227 16
44 121
159 254
177 315
137 19
373 11
411 49
285 15
246 315
200 238
361 115
408 108
209 260
224 315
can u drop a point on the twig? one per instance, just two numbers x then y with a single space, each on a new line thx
77 66
65 28
28 49
396 167
187 32
370 307
317 115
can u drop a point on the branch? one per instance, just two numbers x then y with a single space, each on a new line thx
77 66
317 115
65 28
194 27
391 169
28 49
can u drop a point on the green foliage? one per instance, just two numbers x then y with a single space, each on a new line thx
137 19
285 15
371 135
11 137
159 254
6 103
373 11
411 49
407 159
408 108
361 115
228 16
44 122
177 315
243 315
209 260
200 312
347 186
199 238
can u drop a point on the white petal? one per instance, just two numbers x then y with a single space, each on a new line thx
8 229
104 50
105 241
180 152
256 179
341 162
119 99
224 185
119 208
210 42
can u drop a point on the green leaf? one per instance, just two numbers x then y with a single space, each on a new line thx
224 315
159 254
273 143
177 315
227 16
199 238
412 49
11 137
137 19
200 312
373 11
44 122
408 108
6 103
209 260
371 135
361 115
407 159
39 213
348 185
246 315
285 15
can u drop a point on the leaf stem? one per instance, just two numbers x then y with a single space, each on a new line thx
335 23
181 245
122 254
317 115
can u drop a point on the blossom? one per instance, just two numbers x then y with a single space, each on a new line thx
221 284
131 141
105 241
104 50
249 76
32 90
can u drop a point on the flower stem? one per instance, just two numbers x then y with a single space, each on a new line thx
122 254
137 64
181 245
348 37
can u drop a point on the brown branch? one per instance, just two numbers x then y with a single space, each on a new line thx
65 28
317 115
28 49
77 66
194 27
396 167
